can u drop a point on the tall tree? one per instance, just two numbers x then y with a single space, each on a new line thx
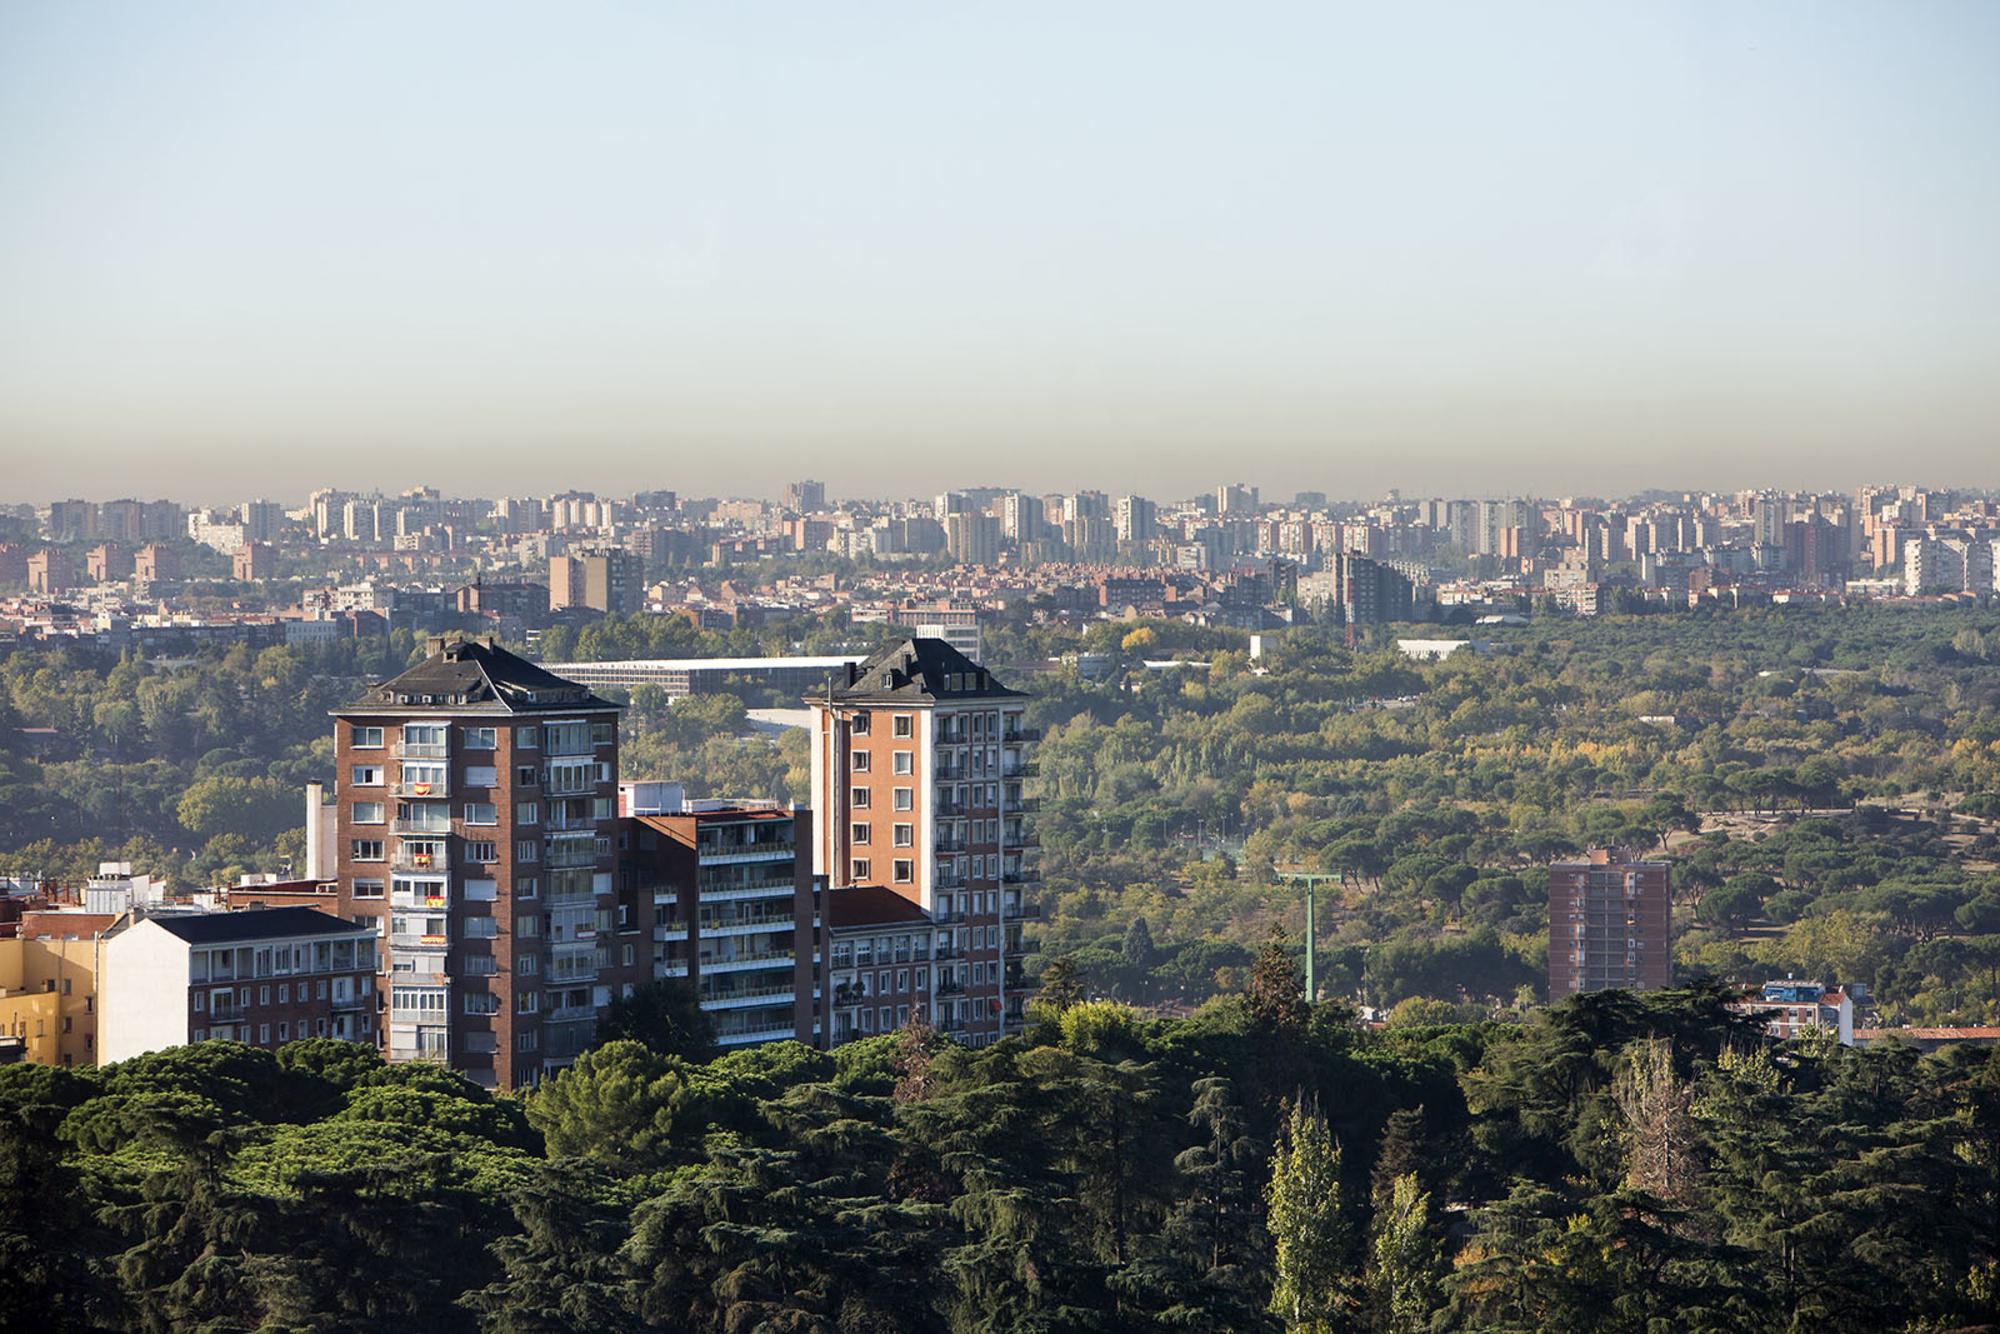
1312 1236
1406 1282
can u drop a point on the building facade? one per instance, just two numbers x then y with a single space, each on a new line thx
1609 924
612 581
48 997
919 761
476 821
732 910
264 977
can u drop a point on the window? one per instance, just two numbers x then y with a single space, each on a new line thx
284 993
481 812
481 850
525 776
370 812
476 1003
906 798
368 849
479 965
858 798
480 738
527 738
859 724
906 762
603 734
366 775
527 1002
528 925
263 1034
481 928
861 872
857 834
481 775
528 964
527 850
527 812
526 887
859 761
906 836
263 995
284 1032
367 738
525 1041
903 726
902 979
905 871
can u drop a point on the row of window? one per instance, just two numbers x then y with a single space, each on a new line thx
902 871
902 761
339 989
477 850
905 835
563 738
319 1029
861 798
901 724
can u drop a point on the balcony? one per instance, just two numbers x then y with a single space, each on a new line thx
225 1014
568 853
723 926
946 846
735 854
411 859
760 959
724 1000
570 1014
423 750
951 988
1021 735
1027 911
1020 770
946 916
419 943
440 788
1026 805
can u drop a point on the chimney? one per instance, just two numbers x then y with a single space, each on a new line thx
315 802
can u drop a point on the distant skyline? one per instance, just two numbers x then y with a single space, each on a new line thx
1448 248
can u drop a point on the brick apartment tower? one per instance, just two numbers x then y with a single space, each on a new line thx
917 767
1609 924
477 821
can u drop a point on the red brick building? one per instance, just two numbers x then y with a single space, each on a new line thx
1609 924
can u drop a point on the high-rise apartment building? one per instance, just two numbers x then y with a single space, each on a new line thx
1135 519
477 822
1609 924
805 497
918 763
972 539
732 912
1371 593
612 581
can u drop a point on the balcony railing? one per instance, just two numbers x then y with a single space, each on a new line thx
225 1014
439 788
409 859
1022 734
423 750
745 996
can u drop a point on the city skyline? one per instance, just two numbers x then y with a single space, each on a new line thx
1548 253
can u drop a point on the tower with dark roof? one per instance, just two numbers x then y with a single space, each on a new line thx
919 760
477 818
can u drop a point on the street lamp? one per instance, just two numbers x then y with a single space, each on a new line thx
1311 880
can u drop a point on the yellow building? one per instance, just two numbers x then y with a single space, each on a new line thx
48 998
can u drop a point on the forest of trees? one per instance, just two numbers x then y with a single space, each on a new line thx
1617 1163
1171 801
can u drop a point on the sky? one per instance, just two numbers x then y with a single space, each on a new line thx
1472 248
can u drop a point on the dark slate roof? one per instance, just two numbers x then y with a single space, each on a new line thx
915 671
230 928
471 675
871 905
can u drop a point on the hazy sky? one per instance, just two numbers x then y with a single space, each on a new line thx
1462 248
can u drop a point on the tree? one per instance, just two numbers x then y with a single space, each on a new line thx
1274 995
623 1105
1662 1141
1407 1281
666 1017
1311 1234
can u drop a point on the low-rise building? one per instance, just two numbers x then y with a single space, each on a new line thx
1791 1008
262 976
48 998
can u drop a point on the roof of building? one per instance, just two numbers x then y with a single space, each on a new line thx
918 671
474 676
220 928
871 905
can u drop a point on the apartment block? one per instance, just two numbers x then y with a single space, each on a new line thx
612 581
731 907
263 977
1609 924
919 761
48 998
476 821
